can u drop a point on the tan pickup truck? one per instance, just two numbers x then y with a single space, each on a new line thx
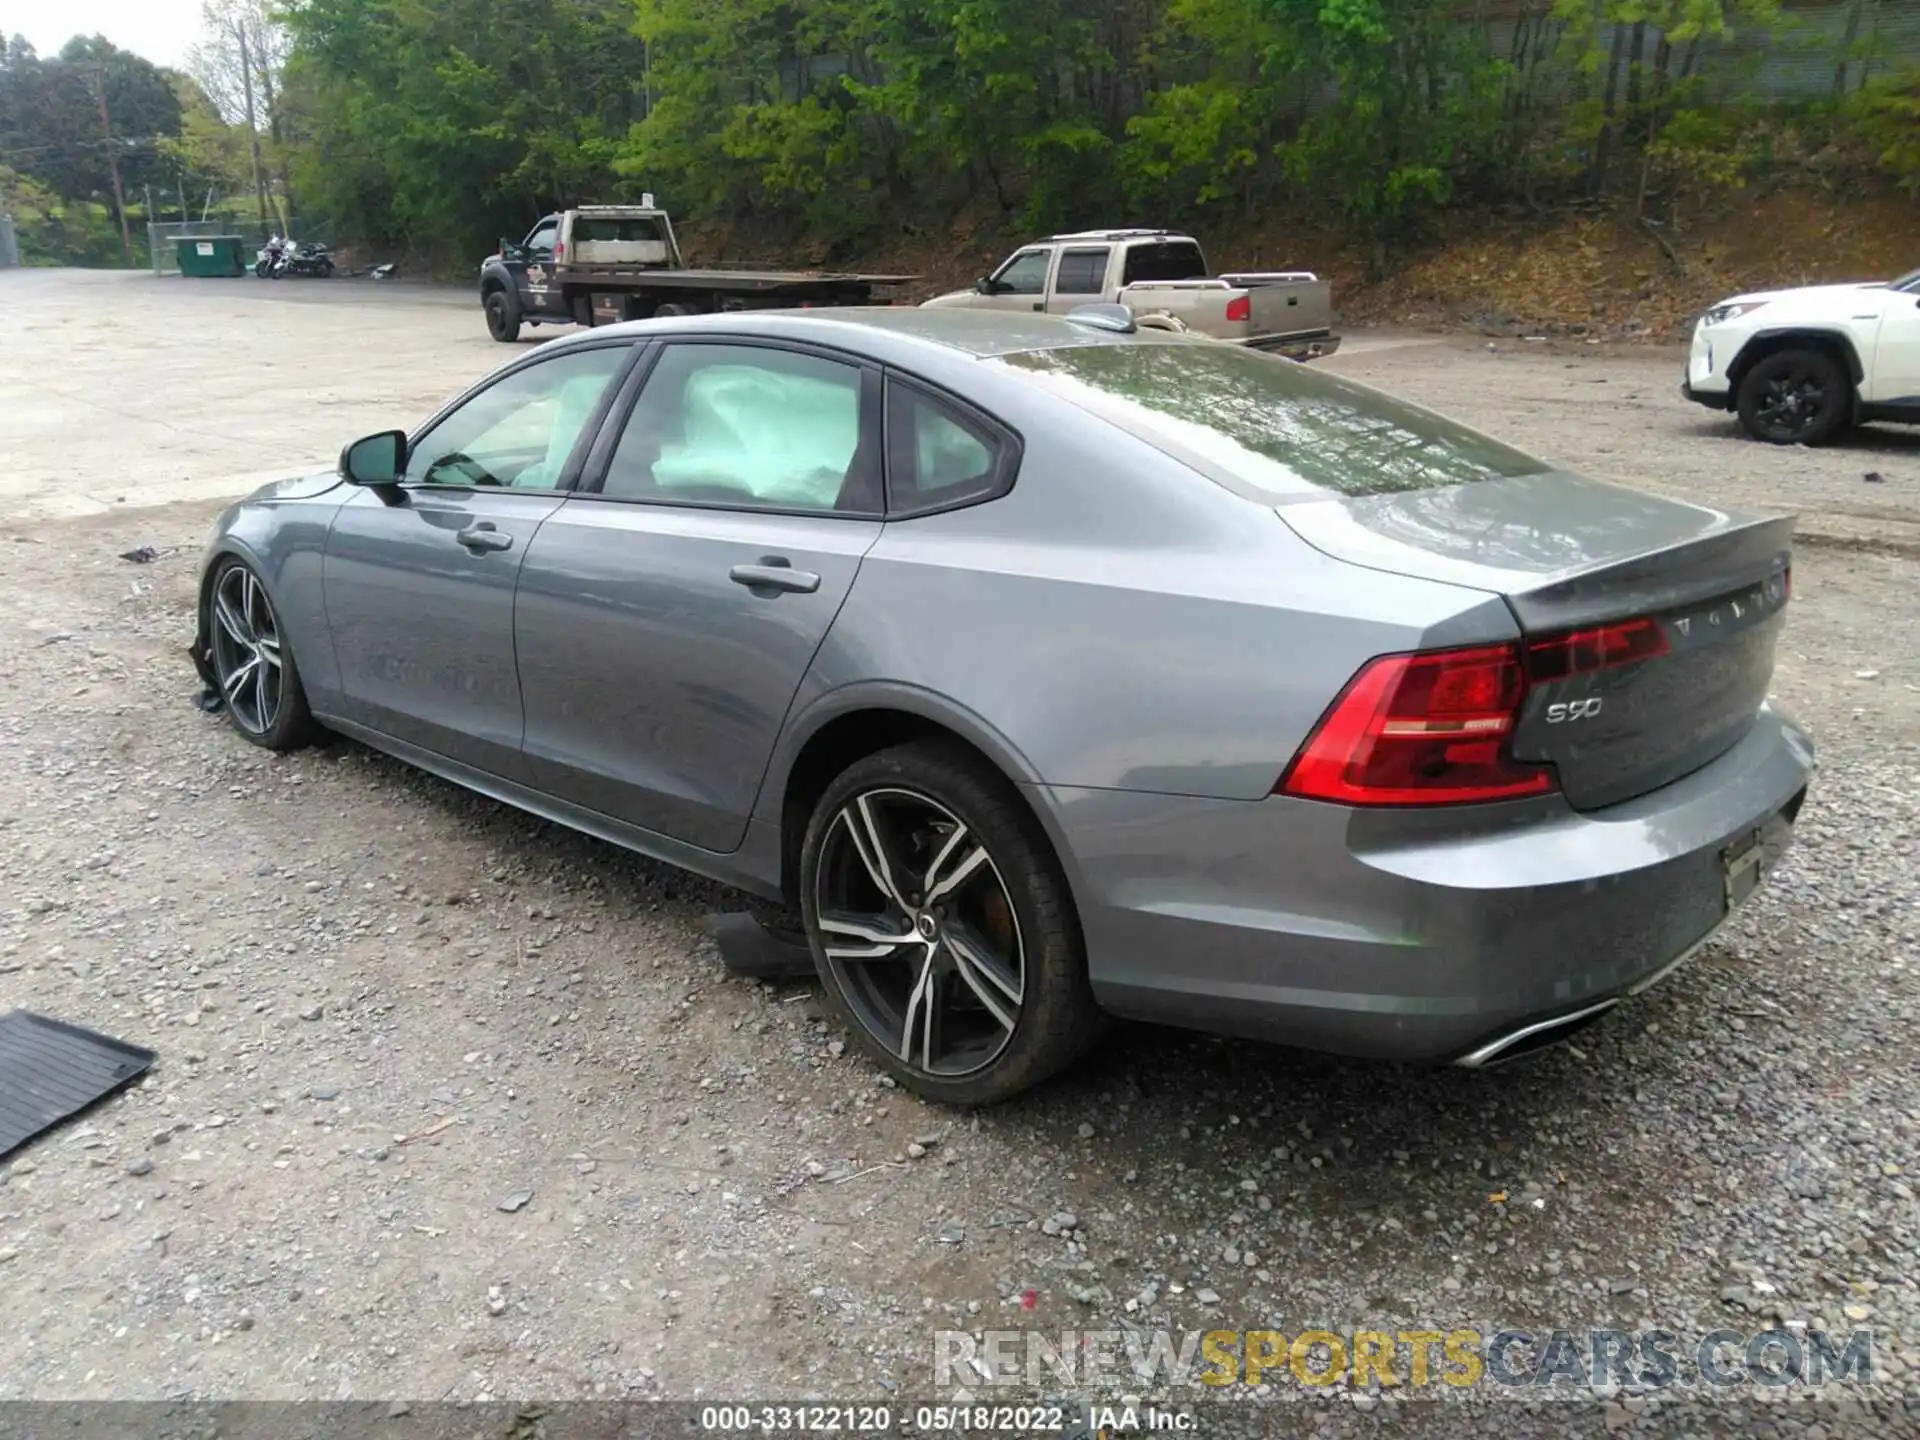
1162 276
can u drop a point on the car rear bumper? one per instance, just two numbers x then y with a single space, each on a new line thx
1402 935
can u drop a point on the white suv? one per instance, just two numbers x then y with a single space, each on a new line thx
1799 366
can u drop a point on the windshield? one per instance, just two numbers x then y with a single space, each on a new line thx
1909 282
1277 427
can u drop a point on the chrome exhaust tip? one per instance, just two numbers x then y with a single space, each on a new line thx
1536 1035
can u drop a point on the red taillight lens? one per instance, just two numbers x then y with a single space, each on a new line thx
1582 651
1426 729
1240 308
559 253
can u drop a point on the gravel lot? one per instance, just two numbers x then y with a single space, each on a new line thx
625 1173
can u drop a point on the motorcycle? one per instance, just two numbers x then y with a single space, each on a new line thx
312 258
268 264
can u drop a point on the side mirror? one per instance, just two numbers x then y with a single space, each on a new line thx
984 286
376 459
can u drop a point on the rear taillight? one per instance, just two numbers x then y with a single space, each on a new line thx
1240 308
1426 729
1580 652
559 253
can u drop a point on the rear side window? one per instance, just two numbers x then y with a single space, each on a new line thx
748 427
938 456
1081 272
1167 260
1277 428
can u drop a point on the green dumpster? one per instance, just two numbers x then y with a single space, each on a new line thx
205 255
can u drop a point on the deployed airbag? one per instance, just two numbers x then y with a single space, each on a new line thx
780 439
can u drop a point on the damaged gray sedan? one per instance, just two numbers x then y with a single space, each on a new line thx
1049 670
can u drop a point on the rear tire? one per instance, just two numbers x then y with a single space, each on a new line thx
964 973
503 316
263 268
670 312
1795 397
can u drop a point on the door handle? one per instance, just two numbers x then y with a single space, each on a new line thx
1039 304
773 573
484 537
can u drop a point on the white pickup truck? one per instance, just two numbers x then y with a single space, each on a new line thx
1161 276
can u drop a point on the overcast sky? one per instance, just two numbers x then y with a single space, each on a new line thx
161 30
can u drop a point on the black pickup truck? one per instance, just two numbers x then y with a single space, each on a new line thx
602 263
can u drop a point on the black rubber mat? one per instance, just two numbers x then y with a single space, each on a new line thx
51 1071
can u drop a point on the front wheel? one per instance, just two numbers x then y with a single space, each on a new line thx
253 663
503 316
263 268
942 928
1795 397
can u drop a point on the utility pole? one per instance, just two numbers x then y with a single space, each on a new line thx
253 130
99 72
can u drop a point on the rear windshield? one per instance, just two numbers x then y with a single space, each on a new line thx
1167 260
1276 428
625 230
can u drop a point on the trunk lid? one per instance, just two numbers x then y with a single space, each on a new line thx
1573 555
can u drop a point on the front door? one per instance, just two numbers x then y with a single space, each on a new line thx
419 579
1896 354
540 292
1020 284
667 616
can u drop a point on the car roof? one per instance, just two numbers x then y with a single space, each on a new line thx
981 334
1117 235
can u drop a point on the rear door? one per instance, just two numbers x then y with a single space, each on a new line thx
667 615
1079 277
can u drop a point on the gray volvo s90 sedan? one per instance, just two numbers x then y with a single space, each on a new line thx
1051 671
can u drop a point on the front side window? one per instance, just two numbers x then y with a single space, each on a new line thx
745 425
1025 274
1082 272
519 431
938 457
1278 428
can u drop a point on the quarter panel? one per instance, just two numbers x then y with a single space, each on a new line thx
1119 621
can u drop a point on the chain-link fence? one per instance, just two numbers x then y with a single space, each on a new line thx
165 237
